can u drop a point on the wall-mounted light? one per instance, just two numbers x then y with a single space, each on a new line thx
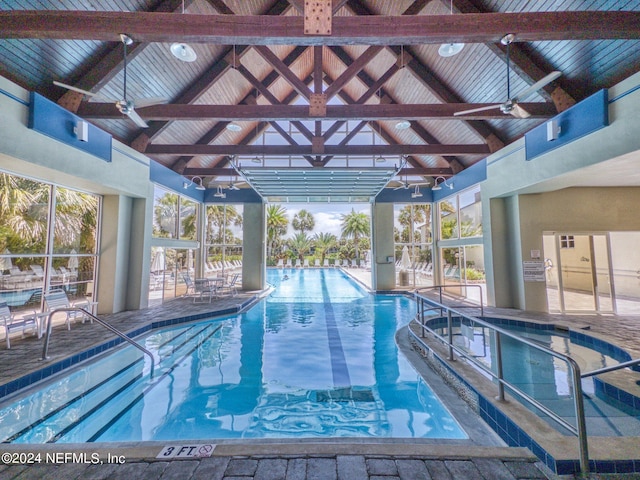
416 193
219 193
553 130
197 181
81 130
438 186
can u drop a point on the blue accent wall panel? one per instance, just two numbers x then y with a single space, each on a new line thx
583 118
52 120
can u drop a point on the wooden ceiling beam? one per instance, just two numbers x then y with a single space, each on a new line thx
286 73
280 111
217 129
112 63
352 70
287 150
221 7
335 5
520 61
366 30
203 83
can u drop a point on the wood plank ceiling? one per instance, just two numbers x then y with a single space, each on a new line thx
378 70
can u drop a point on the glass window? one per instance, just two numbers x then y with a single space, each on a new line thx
165 214
413 238
470 213
223 236
188 219
28 266
448 218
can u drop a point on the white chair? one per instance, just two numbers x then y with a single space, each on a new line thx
230 286
316 263
12 324
326 262
306 263
298 263
203 287
289 265
58 299
280 263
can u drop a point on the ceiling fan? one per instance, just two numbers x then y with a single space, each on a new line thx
406 185
511 105
125 106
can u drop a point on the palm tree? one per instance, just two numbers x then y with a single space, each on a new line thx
300 244
303 221
355 225
277 223
323 242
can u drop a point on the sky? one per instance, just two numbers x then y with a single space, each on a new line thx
326 215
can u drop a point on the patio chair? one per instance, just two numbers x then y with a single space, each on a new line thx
316 263
298 264
58 299
12 324
230 286
306 263
289 265
326 262
190 286
203 288
280 263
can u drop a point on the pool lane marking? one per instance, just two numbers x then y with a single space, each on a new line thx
139 397
339 367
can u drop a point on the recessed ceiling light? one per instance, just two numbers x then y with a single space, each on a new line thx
403 125
233 127
183 52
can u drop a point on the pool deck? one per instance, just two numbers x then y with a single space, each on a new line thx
335 460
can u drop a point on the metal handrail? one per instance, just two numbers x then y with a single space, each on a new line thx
580 430
45 349
441 287
612 368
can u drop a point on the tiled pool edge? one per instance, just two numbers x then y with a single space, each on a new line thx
54 368
508 430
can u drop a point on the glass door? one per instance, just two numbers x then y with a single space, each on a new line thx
579 280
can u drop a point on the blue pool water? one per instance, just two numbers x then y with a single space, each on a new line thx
548 379
317 358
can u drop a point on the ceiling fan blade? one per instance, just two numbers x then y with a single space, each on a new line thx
137 119
148 102
479 109
75 89
538 85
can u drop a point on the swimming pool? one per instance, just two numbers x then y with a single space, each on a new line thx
609 411
315 359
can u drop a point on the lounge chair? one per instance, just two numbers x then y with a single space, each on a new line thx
326 262
58 299
316 263
306 263
289 265
298 263
12 324
280 263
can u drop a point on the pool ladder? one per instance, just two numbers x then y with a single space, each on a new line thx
111 328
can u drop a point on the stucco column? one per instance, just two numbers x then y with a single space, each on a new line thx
383 247
253 247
